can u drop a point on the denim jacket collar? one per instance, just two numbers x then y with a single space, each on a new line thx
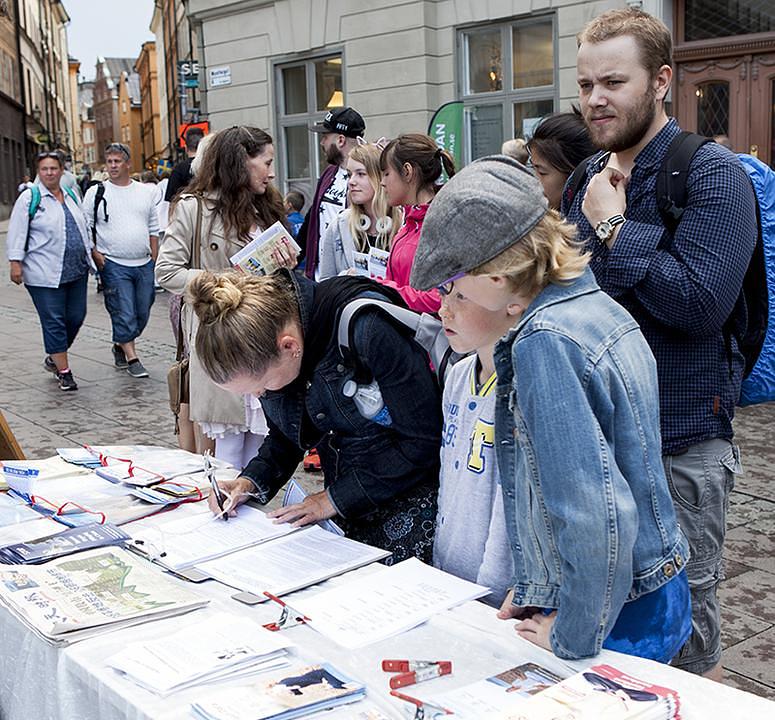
553 294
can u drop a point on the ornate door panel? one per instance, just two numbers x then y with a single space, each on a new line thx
763 107
713 98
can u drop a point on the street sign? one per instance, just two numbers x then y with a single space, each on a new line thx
220 76
188 68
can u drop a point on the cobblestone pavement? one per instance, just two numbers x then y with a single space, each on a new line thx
112 407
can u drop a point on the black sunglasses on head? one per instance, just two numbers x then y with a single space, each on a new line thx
50 154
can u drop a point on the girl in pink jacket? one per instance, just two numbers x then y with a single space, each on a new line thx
412 165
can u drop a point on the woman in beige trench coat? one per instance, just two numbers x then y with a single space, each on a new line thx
233 184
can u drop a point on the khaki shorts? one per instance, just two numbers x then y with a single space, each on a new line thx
700 482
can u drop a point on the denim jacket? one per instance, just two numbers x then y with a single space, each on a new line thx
587 505
364 464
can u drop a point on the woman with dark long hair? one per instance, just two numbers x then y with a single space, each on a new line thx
559 143
233 191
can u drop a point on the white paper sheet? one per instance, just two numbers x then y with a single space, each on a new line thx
386 603
291 562
183 542
218 644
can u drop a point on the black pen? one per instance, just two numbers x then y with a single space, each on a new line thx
220 498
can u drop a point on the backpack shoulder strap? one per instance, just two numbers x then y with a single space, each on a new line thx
99 197
33 208
34 201
575 181
72 194
672 176
346 326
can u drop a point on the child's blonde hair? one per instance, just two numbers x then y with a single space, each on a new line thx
369 155
549 253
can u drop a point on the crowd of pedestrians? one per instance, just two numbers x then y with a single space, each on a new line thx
578 460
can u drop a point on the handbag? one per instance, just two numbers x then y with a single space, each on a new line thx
177 375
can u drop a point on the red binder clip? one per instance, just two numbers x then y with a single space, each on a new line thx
411 672
425 710
288 617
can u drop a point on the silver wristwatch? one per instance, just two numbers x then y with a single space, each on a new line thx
605 228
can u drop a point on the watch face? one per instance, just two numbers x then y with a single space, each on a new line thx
603 230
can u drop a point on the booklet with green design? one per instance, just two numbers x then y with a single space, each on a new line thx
79 596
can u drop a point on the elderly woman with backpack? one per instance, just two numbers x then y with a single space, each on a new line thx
50 253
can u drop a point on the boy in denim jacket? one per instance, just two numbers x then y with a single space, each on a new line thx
598 556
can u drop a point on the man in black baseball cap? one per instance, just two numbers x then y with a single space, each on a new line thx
341 121
339 132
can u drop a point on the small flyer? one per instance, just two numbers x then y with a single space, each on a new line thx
257 257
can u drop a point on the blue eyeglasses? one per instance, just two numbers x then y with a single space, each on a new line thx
446 287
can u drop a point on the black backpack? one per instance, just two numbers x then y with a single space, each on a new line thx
671 201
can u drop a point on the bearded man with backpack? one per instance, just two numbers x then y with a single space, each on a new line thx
678 267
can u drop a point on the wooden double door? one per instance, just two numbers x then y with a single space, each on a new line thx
732 95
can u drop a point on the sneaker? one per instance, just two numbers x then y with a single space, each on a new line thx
50 365
136 370
119 358
66 381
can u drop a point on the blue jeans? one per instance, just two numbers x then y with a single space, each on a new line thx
129 294
61 311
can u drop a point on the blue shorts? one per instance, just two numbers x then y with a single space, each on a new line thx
129 294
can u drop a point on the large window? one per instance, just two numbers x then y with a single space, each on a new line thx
707 19
306 90
507 77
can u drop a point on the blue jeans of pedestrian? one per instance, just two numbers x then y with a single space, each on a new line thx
61 311
129 294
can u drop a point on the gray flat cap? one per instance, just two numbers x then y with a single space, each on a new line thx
483 210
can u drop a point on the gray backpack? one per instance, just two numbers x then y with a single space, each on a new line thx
425 329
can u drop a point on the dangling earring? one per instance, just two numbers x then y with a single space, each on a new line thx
384 225
296 354
364 223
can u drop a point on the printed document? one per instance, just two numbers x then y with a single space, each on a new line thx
187 541
291 562
217 645
385 603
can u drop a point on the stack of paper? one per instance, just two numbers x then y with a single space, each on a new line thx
291 562
296 692
77 597
64 543
385 603
14 510
600 693
183 542
219 646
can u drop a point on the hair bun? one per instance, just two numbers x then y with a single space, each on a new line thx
214 297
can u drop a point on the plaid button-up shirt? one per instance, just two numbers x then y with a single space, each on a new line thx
681 290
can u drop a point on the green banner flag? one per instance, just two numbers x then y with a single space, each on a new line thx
446 128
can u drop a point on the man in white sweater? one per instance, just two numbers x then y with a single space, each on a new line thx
125 231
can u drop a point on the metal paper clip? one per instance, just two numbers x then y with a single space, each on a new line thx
288 617
425 710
